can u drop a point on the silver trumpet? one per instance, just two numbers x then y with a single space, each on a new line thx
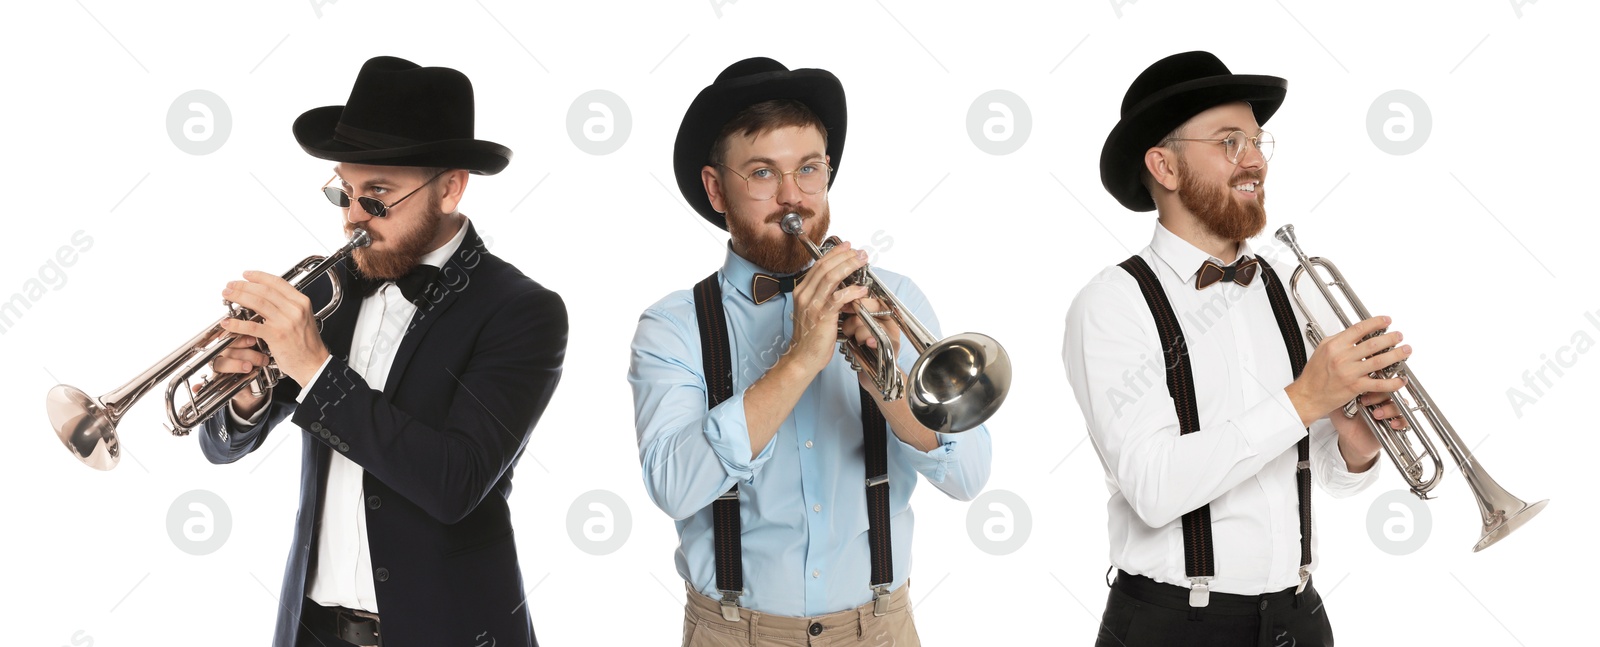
1417 459
88 426
956 383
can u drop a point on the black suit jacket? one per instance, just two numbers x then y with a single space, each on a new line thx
470 378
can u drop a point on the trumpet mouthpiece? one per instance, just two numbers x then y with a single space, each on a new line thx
792 224
1286 233
360 238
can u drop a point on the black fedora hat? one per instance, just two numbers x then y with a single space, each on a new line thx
744 84
401 114
1165 95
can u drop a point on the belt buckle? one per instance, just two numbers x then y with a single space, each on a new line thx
1199 591
880 600
356 629
730 605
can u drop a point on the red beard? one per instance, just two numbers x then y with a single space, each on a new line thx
784 255
409 247
1218 210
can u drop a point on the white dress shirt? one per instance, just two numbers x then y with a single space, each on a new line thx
343 573
1242 460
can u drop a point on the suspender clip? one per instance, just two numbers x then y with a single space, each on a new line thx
1303 465
878 480
1305 576
880 600
1199 591
730 605
731 495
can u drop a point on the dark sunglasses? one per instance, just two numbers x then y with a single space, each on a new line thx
373 206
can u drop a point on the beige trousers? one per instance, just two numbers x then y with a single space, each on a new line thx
704 626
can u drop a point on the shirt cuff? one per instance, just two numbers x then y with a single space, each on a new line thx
1337 478
305 389
1271 424
240 422
933 464
729 434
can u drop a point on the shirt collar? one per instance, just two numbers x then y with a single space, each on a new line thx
1182 256
740 273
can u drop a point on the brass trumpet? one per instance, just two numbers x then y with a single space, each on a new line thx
956 383
88 426
1419 462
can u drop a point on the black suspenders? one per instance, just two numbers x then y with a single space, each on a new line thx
717 362
1198 562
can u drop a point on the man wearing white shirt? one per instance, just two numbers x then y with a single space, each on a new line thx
1210 415
416 395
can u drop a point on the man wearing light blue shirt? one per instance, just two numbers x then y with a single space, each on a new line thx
782 436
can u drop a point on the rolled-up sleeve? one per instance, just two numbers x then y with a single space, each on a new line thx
689 455
959 466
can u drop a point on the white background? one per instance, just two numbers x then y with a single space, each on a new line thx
1477 244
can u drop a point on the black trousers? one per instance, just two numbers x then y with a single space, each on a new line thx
1141 611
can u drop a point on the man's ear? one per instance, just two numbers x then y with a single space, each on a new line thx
714 190
455 185
1162 165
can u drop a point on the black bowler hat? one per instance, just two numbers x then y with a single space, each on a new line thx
400 114
744 84
1165 95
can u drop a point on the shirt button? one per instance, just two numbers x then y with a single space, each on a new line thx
373 502
816 574
816 508
808 444
816 629
382 574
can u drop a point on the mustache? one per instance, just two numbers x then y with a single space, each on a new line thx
777 216
1248 176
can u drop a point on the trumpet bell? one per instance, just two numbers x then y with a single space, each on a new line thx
1502 523
84 426
959 382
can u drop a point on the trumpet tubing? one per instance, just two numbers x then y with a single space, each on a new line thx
955 384
87 426
1411 450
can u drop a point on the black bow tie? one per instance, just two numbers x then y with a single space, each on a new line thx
764 286
1241 272
412 286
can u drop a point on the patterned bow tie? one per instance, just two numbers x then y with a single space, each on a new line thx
413 285
1241 272
763 287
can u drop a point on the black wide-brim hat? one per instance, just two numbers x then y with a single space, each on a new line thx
401 114
1165 95
744 84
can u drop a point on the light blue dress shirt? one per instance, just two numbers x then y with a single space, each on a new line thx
802 500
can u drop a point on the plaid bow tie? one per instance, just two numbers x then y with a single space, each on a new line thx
763 287
1241 272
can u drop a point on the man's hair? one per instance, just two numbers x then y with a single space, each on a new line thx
763 118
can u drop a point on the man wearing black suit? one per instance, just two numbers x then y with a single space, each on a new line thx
417 394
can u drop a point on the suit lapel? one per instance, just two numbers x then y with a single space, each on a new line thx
454 278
